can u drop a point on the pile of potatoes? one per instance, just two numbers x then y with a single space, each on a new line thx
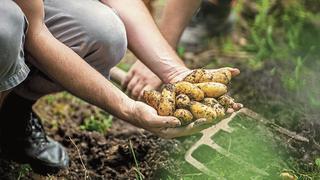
202 94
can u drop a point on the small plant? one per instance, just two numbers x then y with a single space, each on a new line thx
24 170
97 123
139 175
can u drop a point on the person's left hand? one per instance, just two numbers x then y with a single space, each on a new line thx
139 79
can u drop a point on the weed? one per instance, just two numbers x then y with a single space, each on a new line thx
139 175
24 171
97 123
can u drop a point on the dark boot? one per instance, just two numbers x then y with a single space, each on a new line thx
23 139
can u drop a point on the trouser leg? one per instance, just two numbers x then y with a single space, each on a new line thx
91 29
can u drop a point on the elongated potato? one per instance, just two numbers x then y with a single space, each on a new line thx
166 105
195 76
190 90
220 76
152 98
220 110
184 116
200 110
182 101
212 89
210 101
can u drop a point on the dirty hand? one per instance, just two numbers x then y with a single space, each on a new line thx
139 79
146 117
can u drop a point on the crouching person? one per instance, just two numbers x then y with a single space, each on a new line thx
22 137
72 45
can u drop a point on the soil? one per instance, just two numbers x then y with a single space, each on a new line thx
106 156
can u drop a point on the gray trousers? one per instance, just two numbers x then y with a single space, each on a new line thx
91 29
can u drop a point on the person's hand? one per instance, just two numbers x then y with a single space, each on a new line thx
139 79
146 117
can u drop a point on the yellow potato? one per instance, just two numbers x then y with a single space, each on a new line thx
226 101
219 109
182 101
210 101
200 110
195 76
220 76
167 101
152 98
190 90
212 89
184 116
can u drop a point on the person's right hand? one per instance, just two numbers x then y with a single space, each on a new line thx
139 79
146 117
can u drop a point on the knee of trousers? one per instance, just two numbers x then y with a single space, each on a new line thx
108 37
12 32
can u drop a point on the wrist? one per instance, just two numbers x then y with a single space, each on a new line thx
177 74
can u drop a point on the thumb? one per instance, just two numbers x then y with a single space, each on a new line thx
165 122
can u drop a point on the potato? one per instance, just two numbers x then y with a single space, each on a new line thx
166 105
190 90
210 101
226 101
152 98
195 76
184 116
200 110
220 76
220 110
212 89
182 101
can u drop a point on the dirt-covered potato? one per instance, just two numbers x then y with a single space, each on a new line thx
220 110
195 76
210 101
166 105
190 90
200 110
220 76
212 89
152 98
184 116
226 101
182 101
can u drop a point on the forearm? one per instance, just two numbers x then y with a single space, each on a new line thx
145 39
74 74
175 18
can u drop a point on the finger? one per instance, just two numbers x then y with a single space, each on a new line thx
145 88
137 89
230 110
190 129
164 122
237 106
234 71
133 82
128 78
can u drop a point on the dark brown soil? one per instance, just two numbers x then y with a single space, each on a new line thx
106 156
